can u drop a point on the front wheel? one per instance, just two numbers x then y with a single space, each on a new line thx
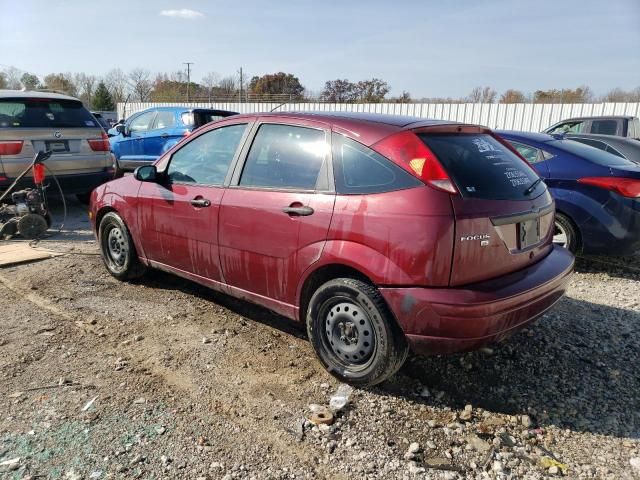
353 332
565 234
117 248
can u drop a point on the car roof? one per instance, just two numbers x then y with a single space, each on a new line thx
35 94
533 136
595 117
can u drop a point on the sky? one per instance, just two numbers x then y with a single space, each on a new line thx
430 48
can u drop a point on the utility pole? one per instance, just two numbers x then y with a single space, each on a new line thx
240 84
188 64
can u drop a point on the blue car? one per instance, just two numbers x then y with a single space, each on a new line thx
597 194
148 134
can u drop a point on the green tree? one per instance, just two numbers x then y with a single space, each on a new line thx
277 84
30 81
339 91
371 91
102 99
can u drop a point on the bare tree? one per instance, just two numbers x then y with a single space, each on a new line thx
513 96
620 95
85 85
12 78
140 83
61 82
228 85
482 95
116 82
209 82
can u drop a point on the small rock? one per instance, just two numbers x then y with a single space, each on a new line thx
160 430
165 460
138 338
635 463
526 421
466 413
478 444
414 448
431 445
553 470
497 466
414 469
206 340
139 400
424 392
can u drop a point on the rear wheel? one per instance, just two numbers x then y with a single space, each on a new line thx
565 233
117 248
353 333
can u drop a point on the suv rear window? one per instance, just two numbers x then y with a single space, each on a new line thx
482 167
43 113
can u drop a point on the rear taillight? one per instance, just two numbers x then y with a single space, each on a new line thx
627 187
38 174
11 147
100 144
408 151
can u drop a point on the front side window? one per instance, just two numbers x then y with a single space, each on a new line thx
142 123
569 127
285 156
205 160
359 169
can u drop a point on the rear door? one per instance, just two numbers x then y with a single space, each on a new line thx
275 216
64 126
503 222
606 126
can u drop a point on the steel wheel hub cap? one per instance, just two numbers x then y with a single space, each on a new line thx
117 246
349 333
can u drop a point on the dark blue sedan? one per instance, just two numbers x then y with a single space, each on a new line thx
597 194
148 134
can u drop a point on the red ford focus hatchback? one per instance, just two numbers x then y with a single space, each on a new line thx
382 233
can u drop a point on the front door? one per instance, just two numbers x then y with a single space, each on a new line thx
131 147
275 217
179 215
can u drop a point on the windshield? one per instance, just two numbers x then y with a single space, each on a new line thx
591 154
44 112
482 167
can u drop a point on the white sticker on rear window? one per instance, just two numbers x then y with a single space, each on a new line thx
516 177
50 116
483 145
89 123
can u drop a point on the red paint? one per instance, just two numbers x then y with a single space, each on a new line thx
447 295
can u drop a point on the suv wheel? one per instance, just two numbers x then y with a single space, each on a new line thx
565 233
353 333
118 252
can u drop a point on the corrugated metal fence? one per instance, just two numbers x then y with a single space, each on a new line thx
516 116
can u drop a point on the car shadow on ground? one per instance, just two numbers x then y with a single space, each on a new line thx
620 267
576 367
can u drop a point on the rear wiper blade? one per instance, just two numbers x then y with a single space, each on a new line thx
532 187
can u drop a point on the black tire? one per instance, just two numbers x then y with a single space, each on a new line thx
83 197
353 332
118 251
566 233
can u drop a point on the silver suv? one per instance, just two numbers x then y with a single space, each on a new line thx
33 120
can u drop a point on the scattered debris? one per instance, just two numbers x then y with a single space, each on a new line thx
548 463
340 399
322 416
478 444
467 413
89 403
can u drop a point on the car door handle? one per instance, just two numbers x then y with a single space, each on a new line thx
298 211
200 202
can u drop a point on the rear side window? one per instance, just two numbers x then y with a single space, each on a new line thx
604 127
591 154
285 156
359 169
205 160
44 113
482 167
531 154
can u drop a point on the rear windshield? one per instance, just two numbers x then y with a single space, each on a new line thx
592 154
43 113
482 167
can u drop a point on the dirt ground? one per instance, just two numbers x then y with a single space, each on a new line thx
162 378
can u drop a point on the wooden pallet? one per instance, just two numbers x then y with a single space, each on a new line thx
14 253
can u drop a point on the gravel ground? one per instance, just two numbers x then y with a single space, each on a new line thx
163 378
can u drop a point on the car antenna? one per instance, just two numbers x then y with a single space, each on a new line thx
277 107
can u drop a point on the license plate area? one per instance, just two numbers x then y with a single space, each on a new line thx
57 146
528 233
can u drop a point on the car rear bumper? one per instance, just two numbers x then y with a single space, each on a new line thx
449 320
70 184
614 229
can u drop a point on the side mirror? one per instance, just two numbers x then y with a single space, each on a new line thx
121 129
146 173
